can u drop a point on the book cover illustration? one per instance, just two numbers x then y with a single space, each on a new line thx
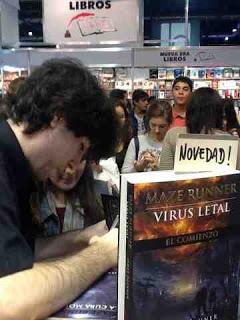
228 72
201 73
194 73
162 73
183 258
170 74
111 207
218 73
98 302
89 23
236 73
178 72
210 73
95 25
153 73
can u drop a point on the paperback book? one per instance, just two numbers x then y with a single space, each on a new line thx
98 302
179 246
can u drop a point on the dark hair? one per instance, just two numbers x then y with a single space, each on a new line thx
85 191
119 103
159 108
204 111
139 94
230 114
10 97
66 88
125 132
117 94
151 99
183 79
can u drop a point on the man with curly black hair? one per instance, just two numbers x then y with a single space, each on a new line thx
60 114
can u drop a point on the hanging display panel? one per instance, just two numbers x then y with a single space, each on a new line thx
91 22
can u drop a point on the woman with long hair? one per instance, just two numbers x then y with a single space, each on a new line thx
144 151
230 119
67 202
204 115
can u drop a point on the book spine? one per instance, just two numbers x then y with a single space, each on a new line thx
129 254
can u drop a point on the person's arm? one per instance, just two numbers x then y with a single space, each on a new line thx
128 164
38 292
68 242
167 153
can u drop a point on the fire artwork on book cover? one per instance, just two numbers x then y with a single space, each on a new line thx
185 261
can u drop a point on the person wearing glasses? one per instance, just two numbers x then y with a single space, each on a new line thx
143 153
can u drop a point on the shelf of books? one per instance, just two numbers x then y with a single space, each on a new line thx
8 74
112 78
158 81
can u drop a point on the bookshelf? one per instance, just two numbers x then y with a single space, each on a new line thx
8 74
158 81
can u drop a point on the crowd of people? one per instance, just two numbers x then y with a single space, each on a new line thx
60 134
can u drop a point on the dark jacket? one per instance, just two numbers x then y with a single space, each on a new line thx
134 123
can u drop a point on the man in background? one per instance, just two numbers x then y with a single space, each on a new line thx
181 89
60 115
137 115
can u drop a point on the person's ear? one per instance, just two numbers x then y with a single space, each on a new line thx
56 121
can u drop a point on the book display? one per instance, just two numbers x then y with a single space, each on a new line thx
9 74
179 246
114 78
158 81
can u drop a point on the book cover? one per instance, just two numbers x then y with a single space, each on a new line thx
111 207
218 73
236 73
210 73
162 73
161 95
98 302
201 73
182 247
193 73
178 72
153 73
170 74
228 72
168 85
162 85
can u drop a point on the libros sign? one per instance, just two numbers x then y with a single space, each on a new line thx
90 5
91 21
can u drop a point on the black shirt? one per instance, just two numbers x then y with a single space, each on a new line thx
16 186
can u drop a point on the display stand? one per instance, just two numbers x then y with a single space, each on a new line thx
152 69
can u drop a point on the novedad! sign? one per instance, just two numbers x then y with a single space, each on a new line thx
201 152
91 22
